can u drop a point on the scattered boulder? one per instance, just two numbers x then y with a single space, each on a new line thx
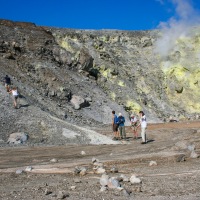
47 191
78 102
181 158
194 154
28 169
62 195
94 160
54 160
17 138
19 171
100 170
98 164
124 178
73 187
126 193
80 170
83 171
152 163
103 189
135 180
114 169
104 180
113 183
83 153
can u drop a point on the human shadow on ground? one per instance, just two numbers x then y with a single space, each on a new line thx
22 105
148 141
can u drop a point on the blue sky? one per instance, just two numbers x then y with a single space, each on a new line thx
92 14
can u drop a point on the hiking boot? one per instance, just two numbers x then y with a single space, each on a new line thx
143 142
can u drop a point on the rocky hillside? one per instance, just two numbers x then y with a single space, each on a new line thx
80 76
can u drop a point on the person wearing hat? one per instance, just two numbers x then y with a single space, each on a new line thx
134 122
121 123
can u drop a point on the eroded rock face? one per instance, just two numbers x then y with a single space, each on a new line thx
17 138
113 70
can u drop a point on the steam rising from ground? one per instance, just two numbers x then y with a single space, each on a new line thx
177 27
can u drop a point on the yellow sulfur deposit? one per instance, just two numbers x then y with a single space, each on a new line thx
133 106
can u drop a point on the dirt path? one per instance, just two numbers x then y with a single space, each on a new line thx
168 180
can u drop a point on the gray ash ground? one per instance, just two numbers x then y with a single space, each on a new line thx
168 179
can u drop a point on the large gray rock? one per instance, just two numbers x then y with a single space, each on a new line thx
104 180
78 102
17 138
113 183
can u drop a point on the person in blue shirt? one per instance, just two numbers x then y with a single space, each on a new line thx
121 123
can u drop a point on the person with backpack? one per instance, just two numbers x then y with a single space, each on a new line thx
15 94
7 82
121 123
115 125
134 122
143 124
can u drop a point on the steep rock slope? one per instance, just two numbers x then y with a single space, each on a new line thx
101 70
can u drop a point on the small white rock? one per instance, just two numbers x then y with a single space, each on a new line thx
135 180
152 163
83 172
100 170
83 153
54 160
19 171
73 187
94 160
103 189
194 155
124 178
28 169
104 180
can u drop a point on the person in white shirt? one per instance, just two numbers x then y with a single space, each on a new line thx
143 124
15 94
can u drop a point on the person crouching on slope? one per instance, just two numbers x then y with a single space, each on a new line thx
143 124
15 94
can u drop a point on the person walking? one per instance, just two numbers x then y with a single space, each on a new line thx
7 83
15 94
121 123
134 122
143 124
115 125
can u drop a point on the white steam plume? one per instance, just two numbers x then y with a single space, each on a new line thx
177 27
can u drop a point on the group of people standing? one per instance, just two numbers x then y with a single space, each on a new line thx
118 124
13 90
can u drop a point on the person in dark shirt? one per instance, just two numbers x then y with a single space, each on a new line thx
7 82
